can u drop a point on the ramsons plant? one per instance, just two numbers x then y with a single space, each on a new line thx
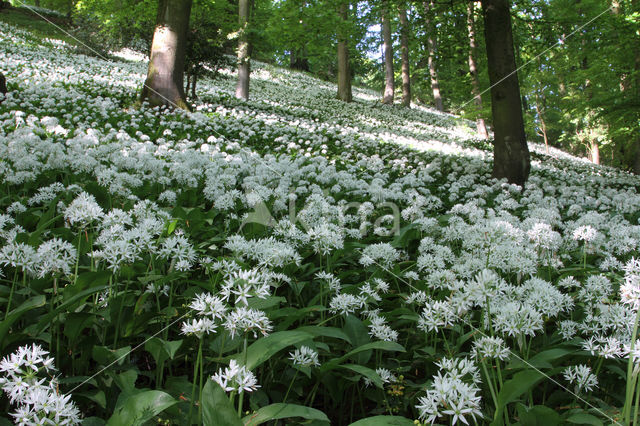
295 257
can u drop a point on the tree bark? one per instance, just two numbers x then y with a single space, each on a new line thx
404 50
244 65
594 151
165 78
3 86
431 48
344 72
543 124
387 49
510 151
481 127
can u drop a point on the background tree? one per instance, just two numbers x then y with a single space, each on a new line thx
164 84
244 50
344 70
473 71
510 151
387 55
404 50
431 49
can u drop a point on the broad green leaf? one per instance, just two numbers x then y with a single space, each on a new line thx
325 332
384 421
14 315
519 384
584 419
514 388
217 410
364 371
105 356
162 350
380 345
46 320
264 348
283 411
141 407
538 415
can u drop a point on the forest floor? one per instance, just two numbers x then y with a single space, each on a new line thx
295 257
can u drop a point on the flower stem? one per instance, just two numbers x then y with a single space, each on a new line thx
629 387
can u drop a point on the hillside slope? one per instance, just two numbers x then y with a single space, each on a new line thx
294 215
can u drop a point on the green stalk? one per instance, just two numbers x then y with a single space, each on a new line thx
13 285
120 308
491 389
629 388
195 378
290 385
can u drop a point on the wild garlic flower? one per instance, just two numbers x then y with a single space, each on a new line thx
236 378
38 399
586 233
244 319
490 347
382 254
55 257
304 357
83 210
199 327
581 377
630 290
344 303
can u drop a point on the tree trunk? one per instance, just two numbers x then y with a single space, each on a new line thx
473 71
193 86
165 79
543 124
244 65
344 72
510 151
387 48
594 151
404 50
431 47
3 86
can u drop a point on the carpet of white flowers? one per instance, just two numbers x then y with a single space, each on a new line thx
296 259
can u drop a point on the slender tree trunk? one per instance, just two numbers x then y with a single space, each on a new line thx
473 71
193 86
595 151
244 65
3 87
165 79
543 124
510 151
404 50
344 71
387 48
431 47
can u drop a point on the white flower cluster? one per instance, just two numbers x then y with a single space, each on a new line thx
304 357
38 399
581 377
236 378
454 394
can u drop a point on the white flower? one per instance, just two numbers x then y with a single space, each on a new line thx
581 377
304 357
236 378
586 233
83 210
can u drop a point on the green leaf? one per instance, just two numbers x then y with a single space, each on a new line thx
34 302
584 419
384 421
266 347
519 384
336 333
217 410
105 356
513 388
141 407
381 345
538 415
162 350
364 371
283 411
